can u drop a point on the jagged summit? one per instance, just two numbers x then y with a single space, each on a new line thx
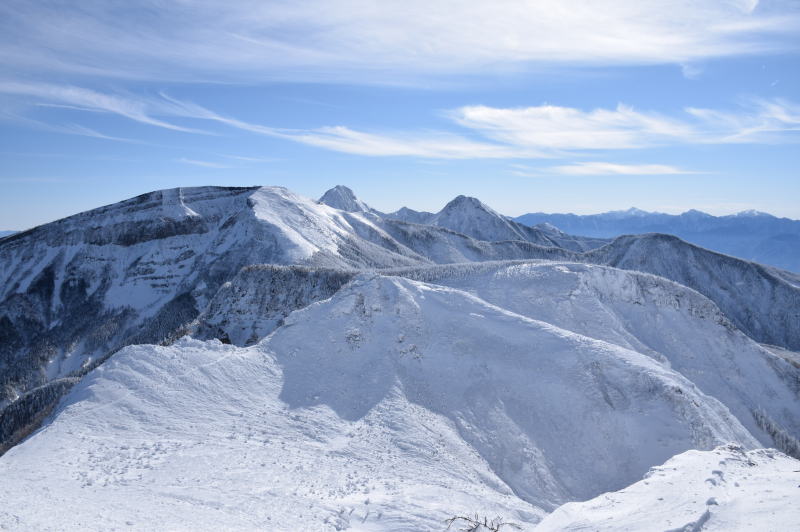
343 198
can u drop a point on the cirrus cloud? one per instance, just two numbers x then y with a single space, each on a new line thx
377 42
545 131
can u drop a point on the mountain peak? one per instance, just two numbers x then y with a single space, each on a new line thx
752 213
627 213
461 203
696 213
343 198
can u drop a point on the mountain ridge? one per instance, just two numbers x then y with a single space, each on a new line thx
751 235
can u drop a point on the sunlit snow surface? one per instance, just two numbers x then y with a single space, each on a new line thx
722 490
391 406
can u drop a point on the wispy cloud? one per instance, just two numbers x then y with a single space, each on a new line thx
482 132
248 159
416 144
383 42
204 164
68 129
606 168
138 109
763 121
556 128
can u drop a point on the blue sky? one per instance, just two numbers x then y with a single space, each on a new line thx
581 106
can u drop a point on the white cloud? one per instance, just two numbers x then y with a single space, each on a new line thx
605 168
426 145
545 131
384 42
561 130
763 121
565 128
204 164
137 109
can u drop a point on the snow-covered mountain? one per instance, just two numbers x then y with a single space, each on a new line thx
4 234
751 235
762 301
74 291
471 217
343 198
666 321
392 405
410 215
324 365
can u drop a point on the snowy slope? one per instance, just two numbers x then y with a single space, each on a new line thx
255 301
75 290
656 317
721 490
668 322
390 406
762 301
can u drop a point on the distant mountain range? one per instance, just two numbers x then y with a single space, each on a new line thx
750 235
6 233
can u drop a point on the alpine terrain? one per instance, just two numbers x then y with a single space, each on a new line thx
249 359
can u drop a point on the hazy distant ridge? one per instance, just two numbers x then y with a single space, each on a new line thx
750 235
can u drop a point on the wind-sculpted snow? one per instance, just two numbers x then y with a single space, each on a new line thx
392 405
721 490
762 301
